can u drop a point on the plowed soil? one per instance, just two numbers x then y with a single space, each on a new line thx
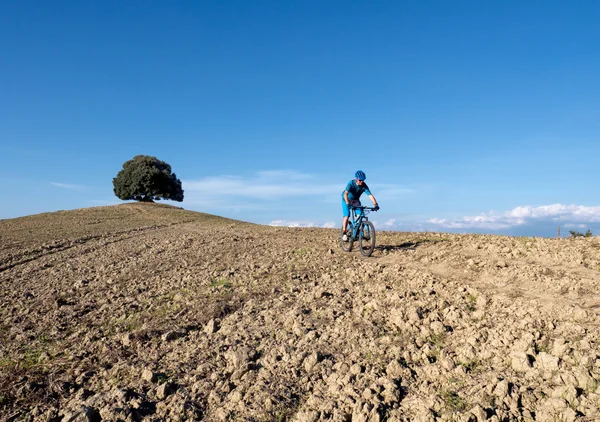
151 312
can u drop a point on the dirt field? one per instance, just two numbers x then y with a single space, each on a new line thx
150 312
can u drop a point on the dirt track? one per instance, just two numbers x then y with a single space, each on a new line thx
149 312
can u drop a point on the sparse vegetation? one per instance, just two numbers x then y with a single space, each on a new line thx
574 233
453 401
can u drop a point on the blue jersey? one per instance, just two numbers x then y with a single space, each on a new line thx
355 191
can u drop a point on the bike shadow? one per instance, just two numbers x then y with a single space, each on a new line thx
410 246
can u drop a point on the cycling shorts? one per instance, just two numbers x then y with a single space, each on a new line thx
346 208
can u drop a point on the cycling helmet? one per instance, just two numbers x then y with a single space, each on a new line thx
360 175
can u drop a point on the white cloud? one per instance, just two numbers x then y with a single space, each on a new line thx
389 224
518 216
68 186
274 185
286 223
265 185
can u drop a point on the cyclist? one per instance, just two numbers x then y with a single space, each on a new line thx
351 195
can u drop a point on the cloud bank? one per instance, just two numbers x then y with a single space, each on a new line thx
290 223
570 215
266 185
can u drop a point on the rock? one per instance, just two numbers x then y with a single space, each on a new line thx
163 390
479 413
126 339
396 317
520 361
306 416
569 393
568 415
501 389
437 327
481 301
555 403
84 414
356 369
580 314
173 335
311 360
584 379
560 347
237 358
447 363
148 375
394 369
546 362
211 327
467 352
415 314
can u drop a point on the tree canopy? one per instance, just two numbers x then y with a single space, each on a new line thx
146 178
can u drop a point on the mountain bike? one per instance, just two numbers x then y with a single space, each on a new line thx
359 229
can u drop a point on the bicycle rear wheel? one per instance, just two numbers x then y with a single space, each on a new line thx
347 244
366 238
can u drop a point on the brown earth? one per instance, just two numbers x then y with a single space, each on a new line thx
150 312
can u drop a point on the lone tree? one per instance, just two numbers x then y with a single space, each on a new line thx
146 178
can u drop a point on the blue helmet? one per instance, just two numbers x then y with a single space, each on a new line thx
360 175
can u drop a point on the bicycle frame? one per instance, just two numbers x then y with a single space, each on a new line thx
357 220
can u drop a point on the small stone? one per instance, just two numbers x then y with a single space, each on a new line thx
164 390
437 327
394 369
546 361
568 415
311 360
356 369
237 358
126 339
448 364
148 375
211 327
479 413
501 389
560 347
173 335
520 361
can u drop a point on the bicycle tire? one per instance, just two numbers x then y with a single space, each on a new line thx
347 245
366 238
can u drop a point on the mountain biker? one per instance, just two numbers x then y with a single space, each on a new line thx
351 195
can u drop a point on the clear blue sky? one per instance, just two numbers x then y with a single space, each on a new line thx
467 116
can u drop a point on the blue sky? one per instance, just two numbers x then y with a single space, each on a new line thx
466 116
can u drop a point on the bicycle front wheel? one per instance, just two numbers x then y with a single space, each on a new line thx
347 244
366 238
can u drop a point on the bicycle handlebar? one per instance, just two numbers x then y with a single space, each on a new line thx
362 207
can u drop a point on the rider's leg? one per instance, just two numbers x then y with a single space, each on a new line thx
346 214
356 203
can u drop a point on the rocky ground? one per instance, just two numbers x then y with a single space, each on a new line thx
149 312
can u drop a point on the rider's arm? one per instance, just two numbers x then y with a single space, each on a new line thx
373 200
346 197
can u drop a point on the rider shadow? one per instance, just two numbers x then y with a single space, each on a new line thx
408 246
